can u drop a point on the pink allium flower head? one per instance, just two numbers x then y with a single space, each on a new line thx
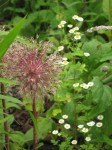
34 69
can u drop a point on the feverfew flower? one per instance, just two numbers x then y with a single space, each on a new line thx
91 123
77 37
86 54
59 134
65 116
61 121
85 130
67 126
61 26
74 142
69 25
84 85
60 48
64 58
99 124
75 17
76 28
80 126
90 83
71 30
80 19
55 132
75 85
63 22
100 117
65 62
88 139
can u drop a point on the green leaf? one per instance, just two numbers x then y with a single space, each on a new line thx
5 119
4 80
8 39
11 99
102 96
107 8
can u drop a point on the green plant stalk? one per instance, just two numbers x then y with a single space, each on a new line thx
35 138
5 115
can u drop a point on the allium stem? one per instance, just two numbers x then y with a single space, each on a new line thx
35 138
5 115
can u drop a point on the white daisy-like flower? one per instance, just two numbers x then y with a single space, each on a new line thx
80 19
67 126
100 117
59 134
91 123
70 25
75 85
84 85
88 139
80 126
99 124
63 22
61 25
64 58
60 48
65 62
76 28
77 37
74 142
61 121
75 17
90 83
85 130
65 116
55 132
86 54
71 30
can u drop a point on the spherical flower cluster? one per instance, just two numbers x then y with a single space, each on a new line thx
67 126
88 139
62 24
99 124
100 117
32 68
86 54
61 121
91 123
65 116
60 48
74 142
55 132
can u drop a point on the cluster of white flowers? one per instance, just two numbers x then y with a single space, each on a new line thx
83 85
75 17
62 24
91 123
64 61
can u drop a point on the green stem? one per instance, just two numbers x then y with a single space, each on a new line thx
35 138
5 115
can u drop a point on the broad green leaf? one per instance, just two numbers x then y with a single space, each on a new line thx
4 80
102 96
29 135
9 38
10 99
